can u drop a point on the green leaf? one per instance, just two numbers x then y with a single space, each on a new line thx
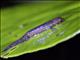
17 20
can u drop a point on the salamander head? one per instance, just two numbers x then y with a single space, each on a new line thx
57 20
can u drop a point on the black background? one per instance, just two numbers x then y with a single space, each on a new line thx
68 50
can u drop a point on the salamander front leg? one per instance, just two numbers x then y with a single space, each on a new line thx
53 29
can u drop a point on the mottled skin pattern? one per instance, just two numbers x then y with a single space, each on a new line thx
35 31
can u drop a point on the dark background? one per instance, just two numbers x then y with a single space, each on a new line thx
10 3
68 50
